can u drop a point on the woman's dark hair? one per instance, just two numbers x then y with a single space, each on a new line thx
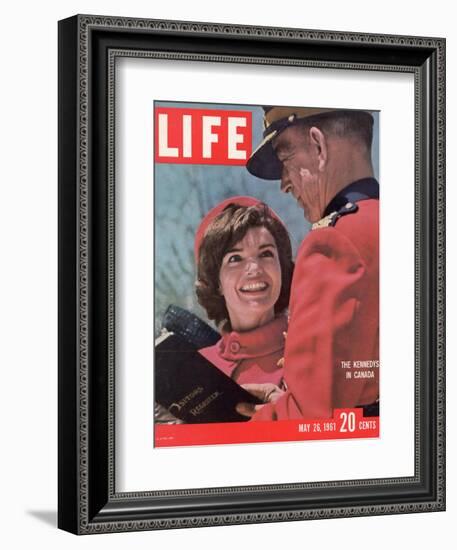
227 229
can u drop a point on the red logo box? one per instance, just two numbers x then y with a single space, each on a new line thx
202 136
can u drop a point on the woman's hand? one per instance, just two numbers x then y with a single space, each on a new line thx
268 393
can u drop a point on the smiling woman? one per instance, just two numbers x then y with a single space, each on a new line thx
244 271
250 279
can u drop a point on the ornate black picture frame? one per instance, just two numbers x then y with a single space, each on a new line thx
88 501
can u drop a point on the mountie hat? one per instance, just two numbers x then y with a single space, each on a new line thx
264 162
214 212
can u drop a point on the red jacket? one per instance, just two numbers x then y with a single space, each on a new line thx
334 317
252 356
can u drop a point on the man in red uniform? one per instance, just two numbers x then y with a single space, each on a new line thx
331 360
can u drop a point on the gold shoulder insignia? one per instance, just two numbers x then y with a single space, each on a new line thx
324 222
331 219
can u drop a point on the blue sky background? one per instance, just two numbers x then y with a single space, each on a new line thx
184 193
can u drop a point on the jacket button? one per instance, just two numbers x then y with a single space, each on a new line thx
235 347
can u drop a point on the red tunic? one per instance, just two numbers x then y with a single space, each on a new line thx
252 356
334 318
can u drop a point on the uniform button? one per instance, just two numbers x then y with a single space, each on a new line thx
235 347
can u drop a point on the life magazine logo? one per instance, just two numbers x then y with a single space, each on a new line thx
202 136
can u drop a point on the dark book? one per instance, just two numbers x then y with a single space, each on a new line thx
193 389
189 326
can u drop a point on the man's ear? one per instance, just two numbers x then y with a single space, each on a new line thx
319 141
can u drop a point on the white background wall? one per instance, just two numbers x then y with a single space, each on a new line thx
28 289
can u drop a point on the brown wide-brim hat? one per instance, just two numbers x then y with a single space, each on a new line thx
264 162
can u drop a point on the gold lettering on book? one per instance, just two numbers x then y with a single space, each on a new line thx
201 406
182 402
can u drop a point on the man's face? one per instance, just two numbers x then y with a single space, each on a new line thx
300 175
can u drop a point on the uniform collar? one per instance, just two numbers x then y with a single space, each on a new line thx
261 341
363 189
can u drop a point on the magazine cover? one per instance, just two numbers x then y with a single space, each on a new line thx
266 274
